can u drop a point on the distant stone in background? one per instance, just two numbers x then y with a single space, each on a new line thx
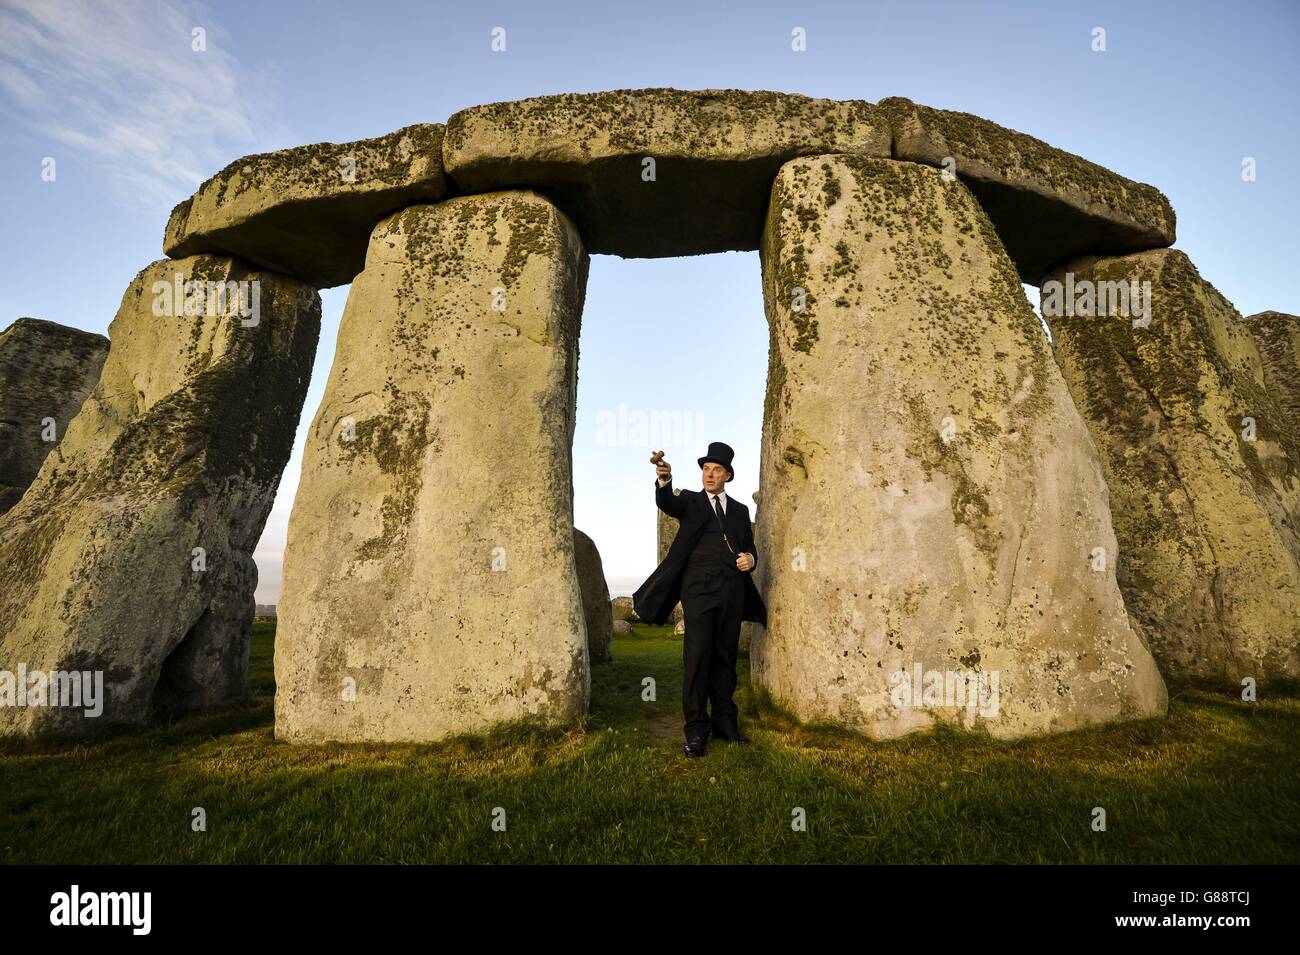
595 597
1047 205
132 552
622 628
1208 519
666 527
1277 337
621 608
46 372
680 628
714 151
309 211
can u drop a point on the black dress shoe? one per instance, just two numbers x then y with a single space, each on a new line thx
695 746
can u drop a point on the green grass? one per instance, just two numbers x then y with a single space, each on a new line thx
1215 782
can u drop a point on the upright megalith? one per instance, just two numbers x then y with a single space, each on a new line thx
595 597
934 514
46 372
621 608
309 211
655 172
666 528
1047 205
1202 457
131 554
429 576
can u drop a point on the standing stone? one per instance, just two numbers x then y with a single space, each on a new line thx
430 586
666 528
1202 457
622 609
595 597
131 553
622 628
46 372
747 627
931 497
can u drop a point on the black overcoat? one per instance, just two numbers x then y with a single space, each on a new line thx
655 599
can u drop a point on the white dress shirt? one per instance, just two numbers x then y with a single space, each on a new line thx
722 496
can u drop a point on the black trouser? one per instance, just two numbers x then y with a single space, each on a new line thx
713 600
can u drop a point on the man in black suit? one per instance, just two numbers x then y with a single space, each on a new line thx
709 569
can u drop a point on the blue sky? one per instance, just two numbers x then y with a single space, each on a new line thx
135 119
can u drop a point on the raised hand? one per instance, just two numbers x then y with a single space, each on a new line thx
662 468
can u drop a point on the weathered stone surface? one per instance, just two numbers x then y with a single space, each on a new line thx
680 628
749 628
1047 205
46 371
1209 558
622 628
666 528
715 154
622 609
309 211
1277 338
931 497
429 577
180 446
595 597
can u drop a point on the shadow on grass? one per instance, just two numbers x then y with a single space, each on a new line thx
1214 782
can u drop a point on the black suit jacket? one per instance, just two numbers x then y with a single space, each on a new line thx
655 599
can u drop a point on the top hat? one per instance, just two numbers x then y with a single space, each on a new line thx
720 453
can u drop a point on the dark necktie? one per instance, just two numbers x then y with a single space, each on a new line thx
722 521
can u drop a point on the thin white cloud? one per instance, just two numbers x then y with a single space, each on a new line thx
121 84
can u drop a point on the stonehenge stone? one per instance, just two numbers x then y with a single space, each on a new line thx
1277 338
679 629
937 504
131 553
932 501
309 211
595 597
747 627
1202 458
622 609
46 371
622 628
430 585
1047 205
715 153
666 527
